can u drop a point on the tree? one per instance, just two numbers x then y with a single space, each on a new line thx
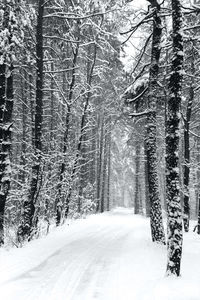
186 170
26 228
8 41
157 229
75 53
174 226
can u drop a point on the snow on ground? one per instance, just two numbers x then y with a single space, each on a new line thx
104 257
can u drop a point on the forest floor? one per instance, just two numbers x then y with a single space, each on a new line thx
104 257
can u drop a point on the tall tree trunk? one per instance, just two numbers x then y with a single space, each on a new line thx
109 166
157 229
2 157
52 110
198 188
92 167
147 202
104 170
83 167
137 171
198 220
32 106
24 89
27 225
174 243
99 164
6 108
186 171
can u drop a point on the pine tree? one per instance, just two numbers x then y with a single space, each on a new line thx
186 169
157 229
174 243
28 224
8 28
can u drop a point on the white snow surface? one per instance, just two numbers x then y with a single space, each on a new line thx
104 257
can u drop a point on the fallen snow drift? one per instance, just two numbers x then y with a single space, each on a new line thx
104 257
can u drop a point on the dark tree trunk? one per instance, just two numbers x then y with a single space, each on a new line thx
147 202
2 156
92 167
6 108
27 226
99 164
83 167
186 171
198 221
104 170
109 165
32 102
52 109
197 227
174 243
24 125
157 229
137 170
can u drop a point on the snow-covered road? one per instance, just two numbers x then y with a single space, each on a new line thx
105 257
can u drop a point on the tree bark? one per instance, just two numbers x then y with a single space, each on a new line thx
108 204
198 220
6 108
99 164
104 170
186 170
147 202
137 170
157 229
174 243
27 226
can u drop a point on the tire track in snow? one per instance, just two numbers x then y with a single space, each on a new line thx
86 267
66 269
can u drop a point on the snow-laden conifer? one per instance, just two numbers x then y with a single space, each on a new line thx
157 229
11 37
174 228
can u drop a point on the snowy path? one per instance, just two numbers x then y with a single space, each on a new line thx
106 257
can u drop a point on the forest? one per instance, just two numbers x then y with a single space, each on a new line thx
99 109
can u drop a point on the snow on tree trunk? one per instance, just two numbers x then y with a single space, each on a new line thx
99 163
157 229
186 171
2 156
7 28
174 243
109 165
104 187
27 226
147 203
137 180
